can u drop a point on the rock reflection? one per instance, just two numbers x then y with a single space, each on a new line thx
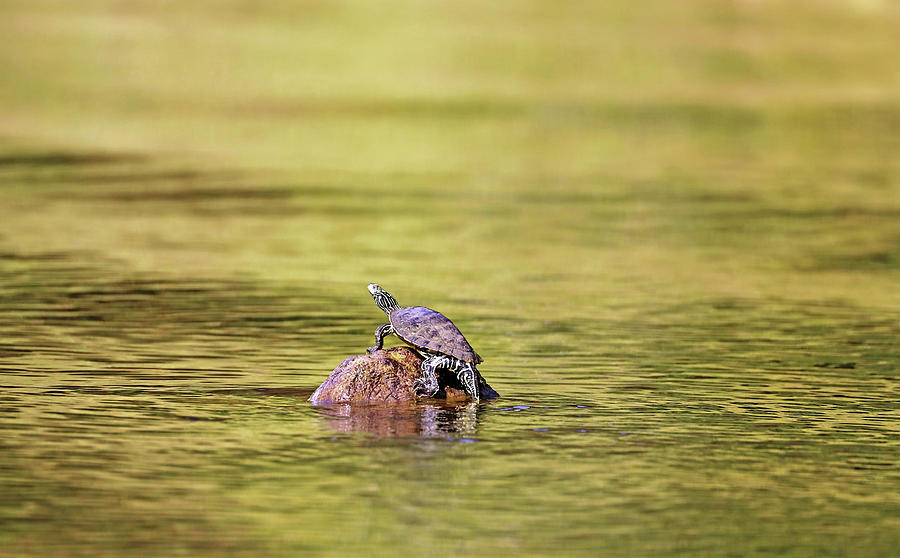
426 419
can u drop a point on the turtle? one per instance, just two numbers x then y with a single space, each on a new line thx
432 334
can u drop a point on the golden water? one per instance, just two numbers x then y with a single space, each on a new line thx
672 231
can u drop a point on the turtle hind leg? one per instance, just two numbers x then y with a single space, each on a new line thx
380 333
468 377
427 385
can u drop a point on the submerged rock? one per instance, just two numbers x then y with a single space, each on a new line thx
386 375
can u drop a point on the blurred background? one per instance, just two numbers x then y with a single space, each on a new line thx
630 140
730 144
671 228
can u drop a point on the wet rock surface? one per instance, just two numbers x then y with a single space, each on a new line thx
387 376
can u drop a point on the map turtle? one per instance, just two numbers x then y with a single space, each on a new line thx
433 335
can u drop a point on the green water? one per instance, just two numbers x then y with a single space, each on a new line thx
672 230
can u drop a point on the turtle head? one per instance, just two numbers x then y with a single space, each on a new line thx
383 299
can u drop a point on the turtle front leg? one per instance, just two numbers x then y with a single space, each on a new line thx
427 385
380 333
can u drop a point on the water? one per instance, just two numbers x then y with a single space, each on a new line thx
682 278
165 412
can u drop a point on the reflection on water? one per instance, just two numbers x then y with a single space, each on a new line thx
427 419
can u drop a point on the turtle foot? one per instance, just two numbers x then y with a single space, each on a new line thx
423 389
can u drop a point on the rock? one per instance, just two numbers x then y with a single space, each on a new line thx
386 376
380 376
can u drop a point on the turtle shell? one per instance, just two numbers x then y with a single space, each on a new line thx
427 329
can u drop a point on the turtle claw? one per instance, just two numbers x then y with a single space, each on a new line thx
424 390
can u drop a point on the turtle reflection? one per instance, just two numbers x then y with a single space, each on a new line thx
427 419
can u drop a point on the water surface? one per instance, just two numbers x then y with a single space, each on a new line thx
675 245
